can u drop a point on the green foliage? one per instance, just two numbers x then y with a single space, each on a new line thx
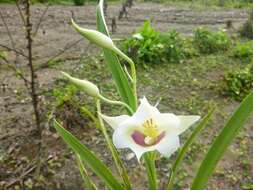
65 94
238 84
184 150
79 2
211 42
144 46
119 76
222 142
3 55
89 158
149 46
243 50
173 46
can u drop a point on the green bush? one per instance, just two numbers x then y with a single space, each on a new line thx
79 2
145 46
238 84
149 46
173 46
211 42
64 94
243 50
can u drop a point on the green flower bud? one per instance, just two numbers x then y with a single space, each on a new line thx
85 85
94 36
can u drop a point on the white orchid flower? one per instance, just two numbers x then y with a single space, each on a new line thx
148 130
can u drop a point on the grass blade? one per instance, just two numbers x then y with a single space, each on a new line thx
97 166
184 149
118 74
222 141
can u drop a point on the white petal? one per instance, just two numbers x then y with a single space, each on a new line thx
186 122
167 122
144 111
122 139
168 145
114 122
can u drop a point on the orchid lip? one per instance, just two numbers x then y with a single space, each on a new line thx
139 138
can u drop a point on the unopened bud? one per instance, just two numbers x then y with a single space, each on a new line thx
95 36
85 85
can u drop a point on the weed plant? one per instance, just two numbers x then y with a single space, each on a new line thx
150 46
238 84
208 42
244 50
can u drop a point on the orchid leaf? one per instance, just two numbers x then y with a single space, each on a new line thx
199 127
89 158
222 141
89 185
118 74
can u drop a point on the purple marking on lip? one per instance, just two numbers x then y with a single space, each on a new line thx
139 138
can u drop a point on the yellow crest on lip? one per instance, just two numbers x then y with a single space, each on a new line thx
150 128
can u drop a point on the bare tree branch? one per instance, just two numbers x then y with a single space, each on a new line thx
14 50
8 31
19 73
20 12
40 20
67 47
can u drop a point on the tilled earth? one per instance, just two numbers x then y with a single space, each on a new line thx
54 36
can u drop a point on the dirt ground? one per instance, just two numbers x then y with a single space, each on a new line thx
54 35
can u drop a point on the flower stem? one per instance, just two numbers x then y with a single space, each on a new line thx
132 67
149 159
116 103
119 165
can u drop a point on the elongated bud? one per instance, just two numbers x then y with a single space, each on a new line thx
94 36
101 40
85 85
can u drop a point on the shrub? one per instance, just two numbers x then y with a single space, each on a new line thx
145 46
173 46
64 94
238 84
149 46
211 42
243 50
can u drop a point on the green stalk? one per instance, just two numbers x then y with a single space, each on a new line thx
149 159
119 165
116 103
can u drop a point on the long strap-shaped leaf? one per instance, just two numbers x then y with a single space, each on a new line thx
118 74
200 126
222 141
98 167
89 185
